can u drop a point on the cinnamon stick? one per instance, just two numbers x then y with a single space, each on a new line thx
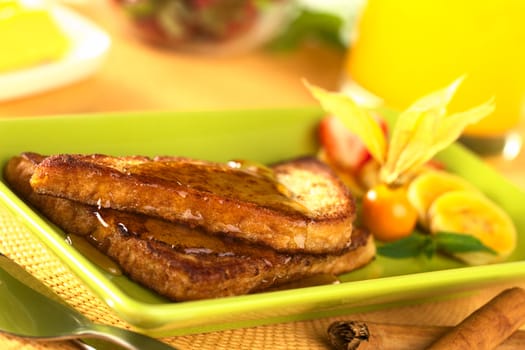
488 326
360 335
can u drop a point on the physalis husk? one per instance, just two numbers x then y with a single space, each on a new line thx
420 132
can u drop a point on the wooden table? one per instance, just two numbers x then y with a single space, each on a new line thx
139 77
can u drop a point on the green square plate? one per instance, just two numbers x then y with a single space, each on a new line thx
261 135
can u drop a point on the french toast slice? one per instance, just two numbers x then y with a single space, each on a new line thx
17 173
299 205
175 260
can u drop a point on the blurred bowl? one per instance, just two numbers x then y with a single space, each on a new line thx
206 26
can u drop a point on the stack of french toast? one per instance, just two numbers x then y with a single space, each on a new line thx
191 229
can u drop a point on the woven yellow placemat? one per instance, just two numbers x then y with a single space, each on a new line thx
20 245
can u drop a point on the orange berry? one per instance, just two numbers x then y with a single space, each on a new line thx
387 213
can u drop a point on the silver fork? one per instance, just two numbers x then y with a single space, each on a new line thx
29 309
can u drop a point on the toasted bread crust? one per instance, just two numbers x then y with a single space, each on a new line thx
177 261
215 267
228 205
17 173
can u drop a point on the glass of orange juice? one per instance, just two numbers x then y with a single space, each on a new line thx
405 49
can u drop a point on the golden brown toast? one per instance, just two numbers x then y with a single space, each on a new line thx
175 260
17 173
298 205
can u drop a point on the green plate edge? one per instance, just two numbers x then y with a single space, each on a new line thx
266 135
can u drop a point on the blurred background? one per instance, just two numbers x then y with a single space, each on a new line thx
141 64
79 56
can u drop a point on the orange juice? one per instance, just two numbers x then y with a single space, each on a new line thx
405 49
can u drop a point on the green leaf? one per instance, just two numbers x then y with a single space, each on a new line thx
141 9
451 242
310 25
429 244
407 247
430 248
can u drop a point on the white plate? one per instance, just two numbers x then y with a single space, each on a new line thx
89 47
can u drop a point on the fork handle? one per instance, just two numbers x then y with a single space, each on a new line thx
128 339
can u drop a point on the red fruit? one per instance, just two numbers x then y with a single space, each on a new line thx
226 19
436 164
243 21
149 29
204 3
381 122
342 147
